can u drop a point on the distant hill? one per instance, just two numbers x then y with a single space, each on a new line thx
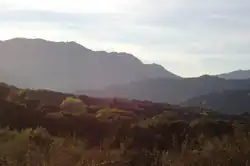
68 66
170 90
232 101
239 74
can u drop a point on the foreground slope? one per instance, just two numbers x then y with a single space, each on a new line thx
37 128
68 66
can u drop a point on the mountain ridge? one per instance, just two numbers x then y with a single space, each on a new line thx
237 74
69 66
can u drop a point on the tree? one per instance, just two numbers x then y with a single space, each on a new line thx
17 96
110 114
73 105
4 91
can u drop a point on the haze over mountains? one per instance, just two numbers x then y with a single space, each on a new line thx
68 66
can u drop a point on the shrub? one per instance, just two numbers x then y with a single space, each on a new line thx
41 138
14 144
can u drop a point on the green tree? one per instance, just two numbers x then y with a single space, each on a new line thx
73 105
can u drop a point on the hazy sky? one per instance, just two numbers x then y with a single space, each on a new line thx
187 37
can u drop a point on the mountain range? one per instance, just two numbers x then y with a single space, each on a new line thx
71 67
68 66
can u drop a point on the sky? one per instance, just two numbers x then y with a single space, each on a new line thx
188 37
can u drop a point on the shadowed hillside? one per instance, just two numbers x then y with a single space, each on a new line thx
170 90
234 101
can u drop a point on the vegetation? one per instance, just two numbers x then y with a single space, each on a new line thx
115 114
146 134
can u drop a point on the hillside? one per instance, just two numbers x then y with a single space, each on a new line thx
232 101
68 66
41 127
171 91
239 74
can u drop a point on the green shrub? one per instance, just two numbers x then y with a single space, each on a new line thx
41 138
15 144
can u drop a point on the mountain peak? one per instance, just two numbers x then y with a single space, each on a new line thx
40 41
20 39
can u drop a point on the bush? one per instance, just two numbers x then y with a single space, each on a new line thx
15 144
41 138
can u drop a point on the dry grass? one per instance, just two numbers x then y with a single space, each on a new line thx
19 149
